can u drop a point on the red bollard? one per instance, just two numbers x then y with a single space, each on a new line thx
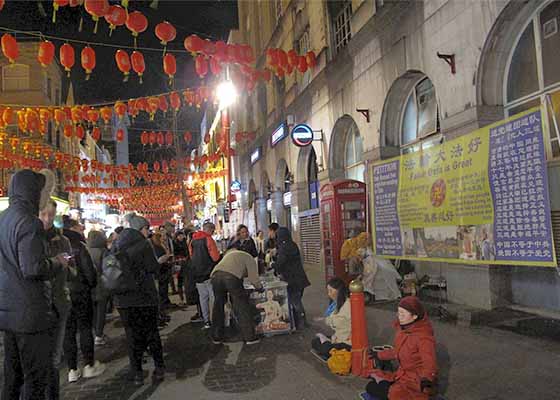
362 365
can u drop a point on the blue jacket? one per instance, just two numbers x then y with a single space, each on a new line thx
26 304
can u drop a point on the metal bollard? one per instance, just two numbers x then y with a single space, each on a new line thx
362 365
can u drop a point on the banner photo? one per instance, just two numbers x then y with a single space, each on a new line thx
479 199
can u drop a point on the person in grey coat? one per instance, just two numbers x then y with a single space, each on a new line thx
97 246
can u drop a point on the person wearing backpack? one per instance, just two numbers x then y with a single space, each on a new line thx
80 320
137 299
97 246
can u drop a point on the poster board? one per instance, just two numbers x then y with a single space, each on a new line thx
274 308
482 198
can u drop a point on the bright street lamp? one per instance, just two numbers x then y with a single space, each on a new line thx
226 94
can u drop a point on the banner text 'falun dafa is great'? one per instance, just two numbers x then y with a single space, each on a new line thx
479 199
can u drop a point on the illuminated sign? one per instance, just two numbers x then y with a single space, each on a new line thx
287 199
256 155
302 135
279 133
235 186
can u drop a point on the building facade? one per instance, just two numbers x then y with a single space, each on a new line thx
380 90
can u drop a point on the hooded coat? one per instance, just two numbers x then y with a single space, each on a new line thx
288 261
86 278
143 264
415 349
25 290
97 246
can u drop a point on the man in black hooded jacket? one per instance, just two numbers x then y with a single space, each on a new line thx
27 315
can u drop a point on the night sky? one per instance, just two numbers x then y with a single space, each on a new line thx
208 19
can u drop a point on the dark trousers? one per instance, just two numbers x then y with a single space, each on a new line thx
295 296
164 280
79 321
379 390
181 279
27 364
324 349
141 328
100 312
222 284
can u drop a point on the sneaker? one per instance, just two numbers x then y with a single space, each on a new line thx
207 325
74 375
196 318
252 341
91 371
100 341
159 374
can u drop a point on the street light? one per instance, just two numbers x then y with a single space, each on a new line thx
226 94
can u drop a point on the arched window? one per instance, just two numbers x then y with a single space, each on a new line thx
533 77
353 162
15 77
420 118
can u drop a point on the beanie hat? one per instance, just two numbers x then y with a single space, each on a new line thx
413 305
136 222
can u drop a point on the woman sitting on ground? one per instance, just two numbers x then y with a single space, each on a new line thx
338 318
415 350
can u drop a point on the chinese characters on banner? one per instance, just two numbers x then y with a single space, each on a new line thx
481 198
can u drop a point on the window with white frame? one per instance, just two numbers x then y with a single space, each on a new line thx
420 118
15 77
303 47
341 26
353 160
533 77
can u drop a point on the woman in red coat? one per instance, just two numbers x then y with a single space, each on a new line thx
415 350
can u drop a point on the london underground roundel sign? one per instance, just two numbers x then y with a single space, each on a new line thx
302 135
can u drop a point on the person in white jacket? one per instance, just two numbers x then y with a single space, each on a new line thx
338 318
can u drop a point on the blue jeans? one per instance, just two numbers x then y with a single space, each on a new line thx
53 389
205 295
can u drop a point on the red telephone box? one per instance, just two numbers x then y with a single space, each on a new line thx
343 212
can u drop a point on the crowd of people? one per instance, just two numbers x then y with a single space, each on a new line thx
56 287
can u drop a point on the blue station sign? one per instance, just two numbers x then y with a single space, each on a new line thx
302 135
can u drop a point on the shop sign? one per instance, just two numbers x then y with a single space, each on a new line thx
302 135
287 199
235 186
279 133
482 198
255 155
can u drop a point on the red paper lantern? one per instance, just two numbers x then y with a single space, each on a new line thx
96 133
116 16
156 166
67 57
221 51
189 97
153 106
45 54
120 109
136 23
162 103
80 133
271 58
175 101
138 63
193 44
169 65
56 5
10 47
153 138
97 9
311 59
68 131
59 116
88 60
144 138
248 54
292 58
187 137
302 64
165 32
215 66
169 138
92 115
76 114
208 48
106 114
123 63
120 135
160 139
282 58
201 66
1 4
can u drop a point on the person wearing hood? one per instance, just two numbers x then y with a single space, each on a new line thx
80 320
204 256
139 308
57 244
415 351
290 269
28 316
97 246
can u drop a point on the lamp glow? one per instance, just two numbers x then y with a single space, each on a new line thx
226 94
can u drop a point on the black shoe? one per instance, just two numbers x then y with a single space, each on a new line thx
159 374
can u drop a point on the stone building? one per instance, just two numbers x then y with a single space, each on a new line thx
382 57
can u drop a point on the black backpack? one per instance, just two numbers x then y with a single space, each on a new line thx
117 276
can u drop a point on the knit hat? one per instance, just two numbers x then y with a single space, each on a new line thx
136 222
412 305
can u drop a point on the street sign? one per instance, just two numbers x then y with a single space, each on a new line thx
255 155
279 133
235 186
302 135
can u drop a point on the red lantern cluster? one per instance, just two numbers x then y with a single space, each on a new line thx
152 138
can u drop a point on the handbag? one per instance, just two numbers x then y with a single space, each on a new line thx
340 362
